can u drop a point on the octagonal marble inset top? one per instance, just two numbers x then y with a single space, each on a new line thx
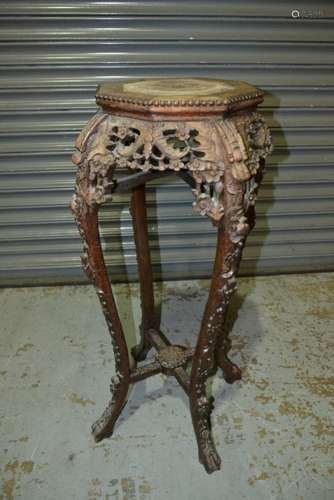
177 96
179 87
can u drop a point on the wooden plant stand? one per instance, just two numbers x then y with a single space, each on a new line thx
209 133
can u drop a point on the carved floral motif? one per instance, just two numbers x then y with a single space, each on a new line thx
205 148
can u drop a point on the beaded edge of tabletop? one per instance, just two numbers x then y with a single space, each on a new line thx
242 96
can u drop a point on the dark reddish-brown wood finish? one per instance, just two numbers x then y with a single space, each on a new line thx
139 217
221 156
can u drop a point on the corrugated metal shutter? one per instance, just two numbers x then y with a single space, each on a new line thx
54 53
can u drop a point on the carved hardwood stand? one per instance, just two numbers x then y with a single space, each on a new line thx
209 133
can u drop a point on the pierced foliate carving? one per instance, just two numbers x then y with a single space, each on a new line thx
205 148
161 146
238 226
258 141
246 139
95 163
208 200
250 193
255 136
154 146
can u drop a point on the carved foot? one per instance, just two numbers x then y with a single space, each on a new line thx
231 372
104 426
208 455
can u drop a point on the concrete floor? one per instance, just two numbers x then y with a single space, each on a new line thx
273 429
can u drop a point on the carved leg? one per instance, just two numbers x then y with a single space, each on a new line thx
93 262
231 371
231 235
139 217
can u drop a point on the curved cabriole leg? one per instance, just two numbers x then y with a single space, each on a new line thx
231 235
93 188
95 268
140 228
231 372
247 196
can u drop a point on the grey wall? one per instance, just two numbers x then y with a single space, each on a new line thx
54 53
